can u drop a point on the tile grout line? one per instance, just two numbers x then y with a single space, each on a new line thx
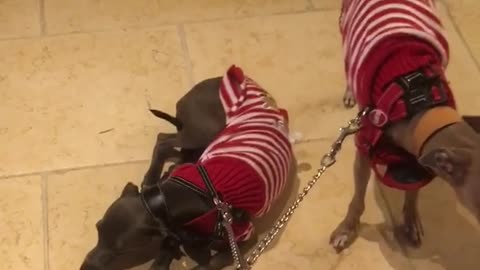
43 23
186 53
64 170
46 251
462 37
154 26
113 164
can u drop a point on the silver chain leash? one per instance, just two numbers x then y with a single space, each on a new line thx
227 220
327 161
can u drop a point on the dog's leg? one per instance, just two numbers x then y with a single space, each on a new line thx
349 99
163 262
224 257
163 150
413 228
346 231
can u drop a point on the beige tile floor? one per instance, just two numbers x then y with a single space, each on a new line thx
77 77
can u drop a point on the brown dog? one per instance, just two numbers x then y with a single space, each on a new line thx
395 55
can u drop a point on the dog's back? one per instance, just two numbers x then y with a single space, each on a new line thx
367 24
249 161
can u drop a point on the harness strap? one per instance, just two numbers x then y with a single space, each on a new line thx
213 193
404 98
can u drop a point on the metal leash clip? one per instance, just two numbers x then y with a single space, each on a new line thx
227 220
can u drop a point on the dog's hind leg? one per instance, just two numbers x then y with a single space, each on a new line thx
412 227
349 99
346 232
164 149
224 257
164 262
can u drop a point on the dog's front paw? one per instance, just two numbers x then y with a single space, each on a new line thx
344 235
412 229
348 99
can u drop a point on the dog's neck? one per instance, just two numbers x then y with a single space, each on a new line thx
434 142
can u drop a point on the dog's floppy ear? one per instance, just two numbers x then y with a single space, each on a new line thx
130 189
473 121
449 163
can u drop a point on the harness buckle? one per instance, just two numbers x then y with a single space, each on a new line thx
419 92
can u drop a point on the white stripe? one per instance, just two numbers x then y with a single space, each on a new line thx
279 159
255 166
229 90
249 115
261 157
360 43
356 17
418 34
260 126
261 136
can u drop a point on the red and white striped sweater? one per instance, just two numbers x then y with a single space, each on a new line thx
367 25
249 161
383 40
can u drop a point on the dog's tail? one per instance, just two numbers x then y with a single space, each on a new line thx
171 119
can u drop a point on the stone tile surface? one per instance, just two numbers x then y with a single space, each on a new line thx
466 14
21 224
462 70
327 4
74 209
298 58
305 242
76 201
78 100
64 16
19 18
451 241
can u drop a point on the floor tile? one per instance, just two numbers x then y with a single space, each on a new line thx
327 4
298 58
462 71
304 243
21 224
70 15
65 16
19 18
199 10
79 100
74 209
466 14
451 241
76 200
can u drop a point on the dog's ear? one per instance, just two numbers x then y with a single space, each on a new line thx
452 164
473 121
130 189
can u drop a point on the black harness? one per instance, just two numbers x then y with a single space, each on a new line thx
154 200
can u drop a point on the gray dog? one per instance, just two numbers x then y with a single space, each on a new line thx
395 57
227 127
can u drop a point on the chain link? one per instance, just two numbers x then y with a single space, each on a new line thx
327 161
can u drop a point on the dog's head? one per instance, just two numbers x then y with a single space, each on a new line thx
127 235
460 165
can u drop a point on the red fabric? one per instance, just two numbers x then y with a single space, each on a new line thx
235 181
384 40
249 161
